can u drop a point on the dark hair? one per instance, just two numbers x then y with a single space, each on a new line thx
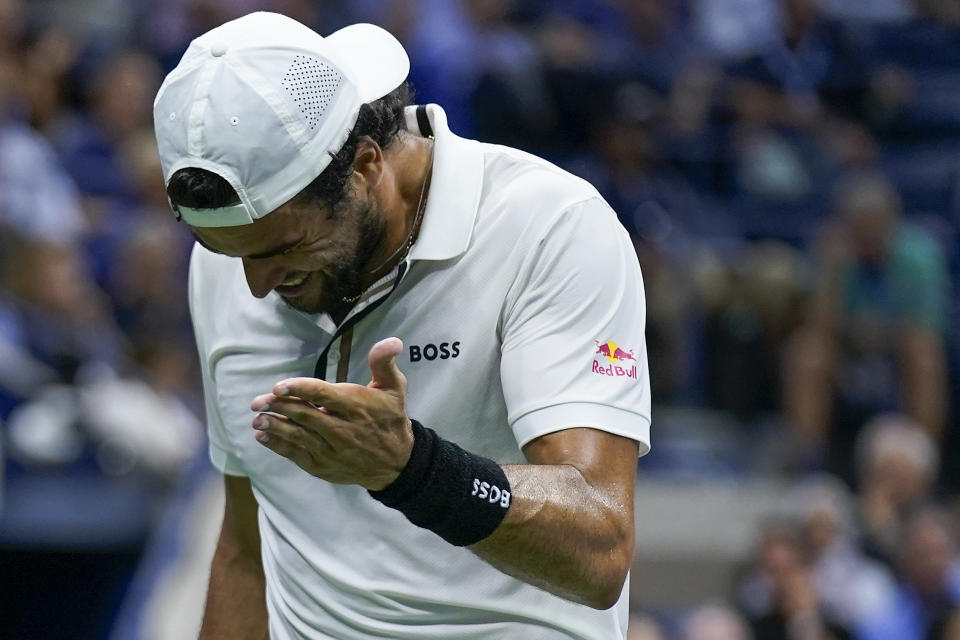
380 120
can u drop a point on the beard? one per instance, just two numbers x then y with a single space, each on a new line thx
343 276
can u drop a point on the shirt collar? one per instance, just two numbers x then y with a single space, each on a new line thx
454 195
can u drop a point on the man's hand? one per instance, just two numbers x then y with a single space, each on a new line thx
344 433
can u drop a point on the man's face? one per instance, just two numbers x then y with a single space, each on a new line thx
927 555
312 256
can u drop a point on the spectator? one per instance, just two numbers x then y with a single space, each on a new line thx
897 465
630 175
120 98
146 275
780 594
139 257
36 197
59 314
853 588
690 134
653 199
469 56
745 329
809 58
929 571
874 340
790 99
40 58
590 50
654 43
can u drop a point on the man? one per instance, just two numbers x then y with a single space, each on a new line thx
875 339
928 589
519 304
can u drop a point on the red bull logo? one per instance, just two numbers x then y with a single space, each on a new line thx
614 354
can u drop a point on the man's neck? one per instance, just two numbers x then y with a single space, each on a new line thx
411 164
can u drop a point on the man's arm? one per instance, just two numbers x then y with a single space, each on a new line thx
569 529
236 605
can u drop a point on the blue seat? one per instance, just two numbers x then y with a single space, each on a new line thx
936 104
925 173
917 44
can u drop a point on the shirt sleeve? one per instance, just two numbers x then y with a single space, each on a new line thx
572 332
221 453
922 282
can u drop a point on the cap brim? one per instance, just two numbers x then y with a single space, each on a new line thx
377 60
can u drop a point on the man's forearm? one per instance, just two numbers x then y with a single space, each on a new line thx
236 605
563 535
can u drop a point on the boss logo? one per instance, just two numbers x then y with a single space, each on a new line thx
444 351
491 493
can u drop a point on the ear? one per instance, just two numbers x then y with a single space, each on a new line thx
368 162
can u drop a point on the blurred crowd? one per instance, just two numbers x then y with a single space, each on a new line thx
789 171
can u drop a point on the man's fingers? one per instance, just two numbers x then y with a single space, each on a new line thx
315 391
283 427
305 414
285 448
383 365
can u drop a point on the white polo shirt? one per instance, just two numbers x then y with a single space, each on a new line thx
521 310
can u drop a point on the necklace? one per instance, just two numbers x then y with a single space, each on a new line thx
414 228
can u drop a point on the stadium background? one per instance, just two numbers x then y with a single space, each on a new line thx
788 170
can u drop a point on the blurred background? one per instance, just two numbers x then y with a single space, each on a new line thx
788 170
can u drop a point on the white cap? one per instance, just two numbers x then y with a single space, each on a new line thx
262 101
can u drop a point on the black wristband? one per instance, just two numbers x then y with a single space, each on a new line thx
460 496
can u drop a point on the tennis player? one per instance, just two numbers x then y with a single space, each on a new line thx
423 356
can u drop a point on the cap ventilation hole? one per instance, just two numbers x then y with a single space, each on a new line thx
312 84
